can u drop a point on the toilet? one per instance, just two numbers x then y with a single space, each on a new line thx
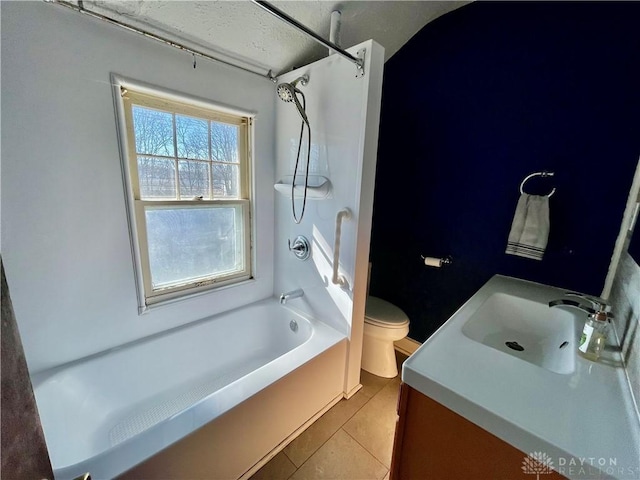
384 323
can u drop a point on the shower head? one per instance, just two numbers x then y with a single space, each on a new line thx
288 93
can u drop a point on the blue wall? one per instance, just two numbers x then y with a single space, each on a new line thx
476 101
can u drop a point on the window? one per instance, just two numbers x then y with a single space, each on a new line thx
188 175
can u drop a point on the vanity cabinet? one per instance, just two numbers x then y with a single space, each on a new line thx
432 442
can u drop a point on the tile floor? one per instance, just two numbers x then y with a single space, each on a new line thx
352 441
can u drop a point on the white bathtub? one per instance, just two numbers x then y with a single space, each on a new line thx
109 412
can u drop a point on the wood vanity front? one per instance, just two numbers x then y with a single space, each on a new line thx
433 442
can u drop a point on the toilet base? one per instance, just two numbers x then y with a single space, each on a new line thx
379 357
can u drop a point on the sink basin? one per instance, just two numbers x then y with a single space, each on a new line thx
525 329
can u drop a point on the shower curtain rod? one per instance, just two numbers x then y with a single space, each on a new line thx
80 8
276 12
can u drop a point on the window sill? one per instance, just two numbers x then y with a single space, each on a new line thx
143 309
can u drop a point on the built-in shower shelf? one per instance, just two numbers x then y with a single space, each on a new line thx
318 187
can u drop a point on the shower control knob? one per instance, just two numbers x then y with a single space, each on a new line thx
300 247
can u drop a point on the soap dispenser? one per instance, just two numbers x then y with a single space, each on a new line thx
594 335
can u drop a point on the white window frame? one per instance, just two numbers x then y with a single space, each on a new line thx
128 93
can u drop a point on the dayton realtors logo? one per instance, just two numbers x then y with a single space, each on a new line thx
537 463
540 463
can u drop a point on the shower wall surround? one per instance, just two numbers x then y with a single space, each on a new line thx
344 113
476 101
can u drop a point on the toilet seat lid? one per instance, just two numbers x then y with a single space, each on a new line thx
381 312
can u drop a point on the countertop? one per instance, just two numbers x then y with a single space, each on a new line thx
585 422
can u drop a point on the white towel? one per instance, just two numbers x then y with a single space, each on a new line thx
530 227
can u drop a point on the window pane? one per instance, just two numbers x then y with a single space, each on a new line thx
224 142
189 244
192 137
157 177
226 180
194 179
153 131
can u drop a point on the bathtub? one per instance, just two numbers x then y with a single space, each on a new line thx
109 412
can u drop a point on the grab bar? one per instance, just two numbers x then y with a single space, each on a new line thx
339 279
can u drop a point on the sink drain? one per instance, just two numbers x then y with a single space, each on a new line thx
514 346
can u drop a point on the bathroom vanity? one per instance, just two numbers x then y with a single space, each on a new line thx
473 406
433 442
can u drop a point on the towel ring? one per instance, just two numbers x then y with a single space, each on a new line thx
538 174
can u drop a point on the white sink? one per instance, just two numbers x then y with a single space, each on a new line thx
543 398
525 329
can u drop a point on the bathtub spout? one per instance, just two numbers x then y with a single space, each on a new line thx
285 297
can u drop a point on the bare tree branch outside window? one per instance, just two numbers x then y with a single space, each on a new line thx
207 156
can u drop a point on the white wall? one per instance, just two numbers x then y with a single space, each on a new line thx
344 115
65 239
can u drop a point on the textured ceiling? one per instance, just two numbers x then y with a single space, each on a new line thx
241 30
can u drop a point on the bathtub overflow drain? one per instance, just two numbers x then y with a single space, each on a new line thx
293 325
514 346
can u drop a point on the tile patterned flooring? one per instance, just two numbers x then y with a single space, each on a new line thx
351 441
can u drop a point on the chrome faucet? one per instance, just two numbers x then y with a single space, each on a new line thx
596 304
285 297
